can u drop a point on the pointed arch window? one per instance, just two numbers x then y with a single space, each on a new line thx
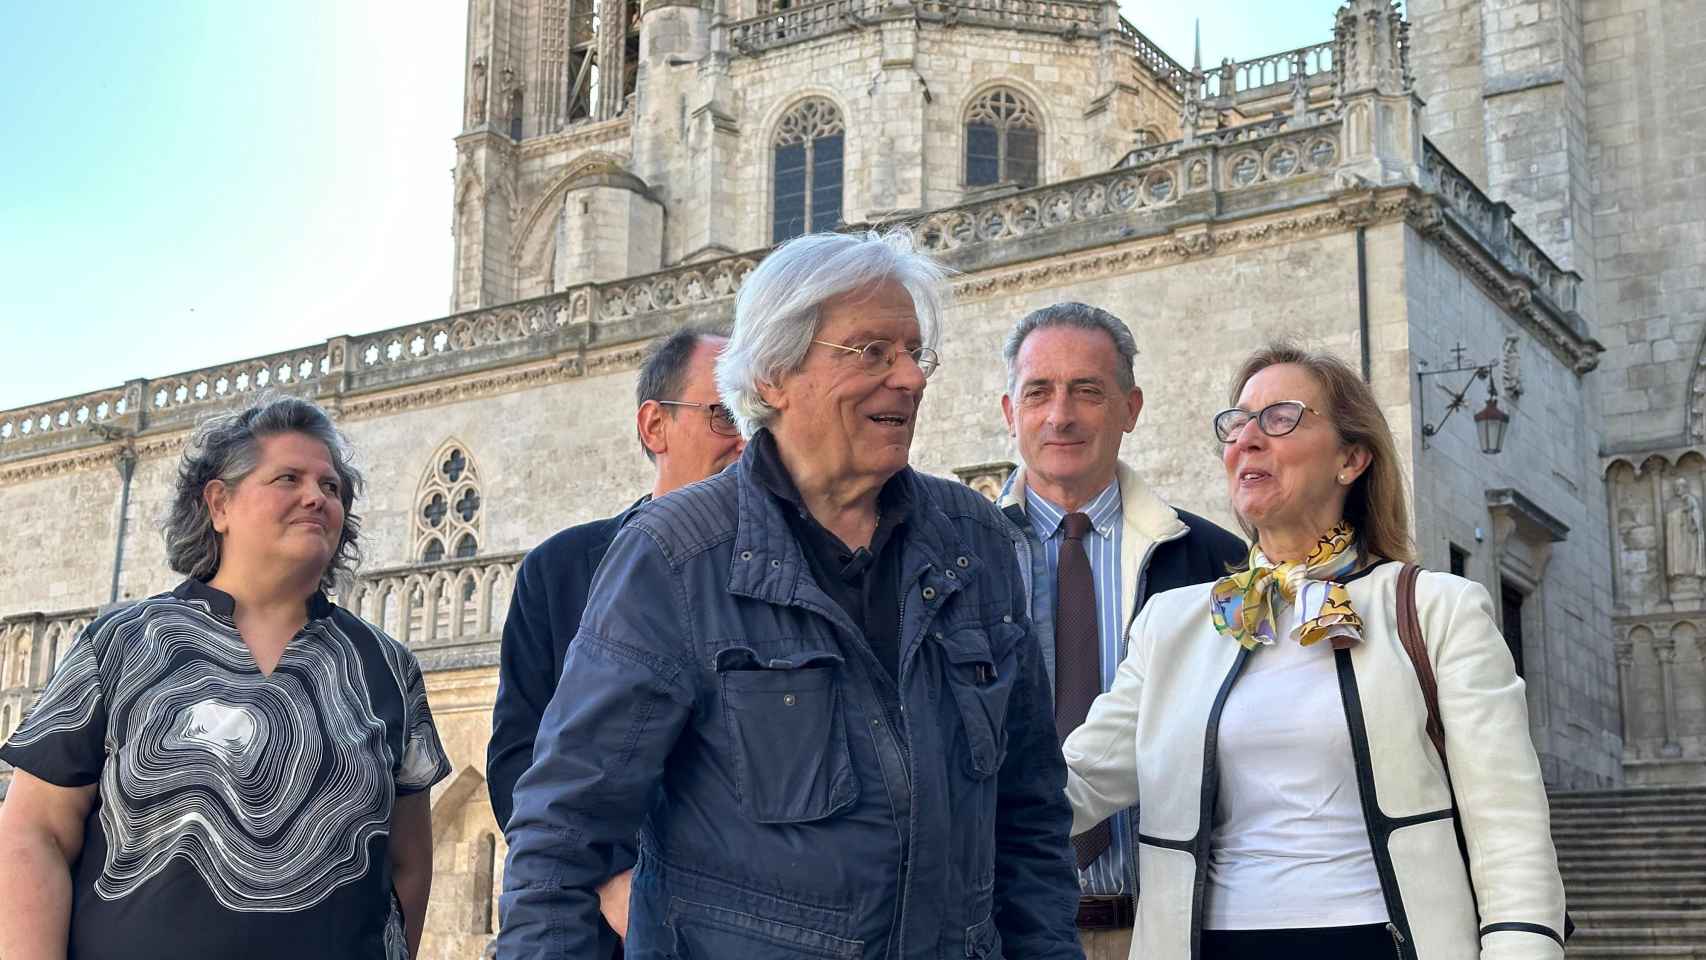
1003 140
450 507
807 170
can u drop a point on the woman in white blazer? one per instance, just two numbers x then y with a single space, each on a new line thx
1272 730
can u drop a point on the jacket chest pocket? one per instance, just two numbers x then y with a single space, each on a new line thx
979 668
789 739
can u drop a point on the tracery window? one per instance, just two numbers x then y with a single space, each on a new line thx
1002 140
449 508
807 178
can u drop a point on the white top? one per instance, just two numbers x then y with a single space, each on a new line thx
1290 845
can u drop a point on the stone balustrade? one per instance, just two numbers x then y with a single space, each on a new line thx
1491 222
796 24
182 396
1153 59
1152 178
450 613
1236 82
31 644
575 320
1048 16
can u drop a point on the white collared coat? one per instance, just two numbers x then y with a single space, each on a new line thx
1150 742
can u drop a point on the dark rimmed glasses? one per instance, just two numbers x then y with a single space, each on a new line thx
1276 419
721 419
879 355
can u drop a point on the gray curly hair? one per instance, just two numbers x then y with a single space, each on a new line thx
227 447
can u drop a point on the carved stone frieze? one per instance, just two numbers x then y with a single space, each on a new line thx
1658 532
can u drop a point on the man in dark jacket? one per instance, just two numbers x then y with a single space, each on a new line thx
808 682
1096 543
688 436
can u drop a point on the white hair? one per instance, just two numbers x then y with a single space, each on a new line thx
777 312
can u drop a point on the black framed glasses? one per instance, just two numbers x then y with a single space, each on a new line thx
721 419
879 355
1276 419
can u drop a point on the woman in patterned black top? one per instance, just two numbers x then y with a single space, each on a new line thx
237 768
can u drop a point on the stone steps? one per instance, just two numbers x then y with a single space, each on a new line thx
1634 866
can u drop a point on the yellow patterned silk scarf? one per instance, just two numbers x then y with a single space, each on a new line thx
1243 603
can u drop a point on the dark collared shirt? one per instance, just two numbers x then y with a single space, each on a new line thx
864 582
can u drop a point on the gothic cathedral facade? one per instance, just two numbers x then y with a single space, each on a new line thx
1502 199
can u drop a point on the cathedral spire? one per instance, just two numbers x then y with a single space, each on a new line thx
1196 58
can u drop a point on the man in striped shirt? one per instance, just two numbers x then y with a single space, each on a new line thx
1097 543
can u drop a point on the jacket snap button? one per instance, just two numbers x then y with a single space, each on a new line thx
775 563
963 562
1007 618
952 575
876 723
929 593
746 554
789 699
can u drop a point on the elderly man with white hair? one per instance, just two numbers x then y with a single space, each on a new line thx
808 682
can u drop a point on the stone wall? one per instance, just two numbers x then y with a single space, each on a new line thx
1566 660
1645 96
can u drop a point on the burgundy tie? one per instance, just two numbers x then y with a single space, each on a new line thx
1077 657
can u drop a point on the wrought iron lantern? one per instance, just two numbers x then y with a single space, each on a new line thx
1491 423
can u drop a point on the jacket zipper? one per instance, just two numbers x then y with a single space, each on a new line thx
1373 819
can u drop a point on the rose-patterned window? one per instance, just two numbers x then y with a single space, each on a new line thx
449 508
806 181
1002 140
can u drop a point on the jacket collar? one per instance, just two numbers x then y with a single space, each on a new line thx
768 563
1145 517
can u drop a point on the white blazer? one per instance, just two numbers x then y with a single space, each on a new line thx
1150 742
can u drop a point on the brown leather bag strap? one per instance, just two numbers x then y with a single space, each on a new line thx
1410 634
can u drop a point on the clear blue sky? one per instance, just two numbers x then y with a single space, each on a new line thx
189 183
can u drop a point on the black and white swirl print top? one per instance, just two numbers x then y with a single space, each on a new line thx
239 814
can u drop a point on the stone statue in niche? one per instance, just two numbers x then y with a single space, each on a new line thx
477 92
1685 533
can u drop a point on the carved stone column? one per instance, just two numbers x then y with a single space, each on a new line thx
612 56
1625 651
1664 648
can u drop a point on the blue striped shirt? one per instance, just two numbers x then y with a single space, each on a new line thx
1107 875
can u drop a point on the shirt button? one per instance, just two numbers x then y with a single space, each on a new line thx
1007 618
